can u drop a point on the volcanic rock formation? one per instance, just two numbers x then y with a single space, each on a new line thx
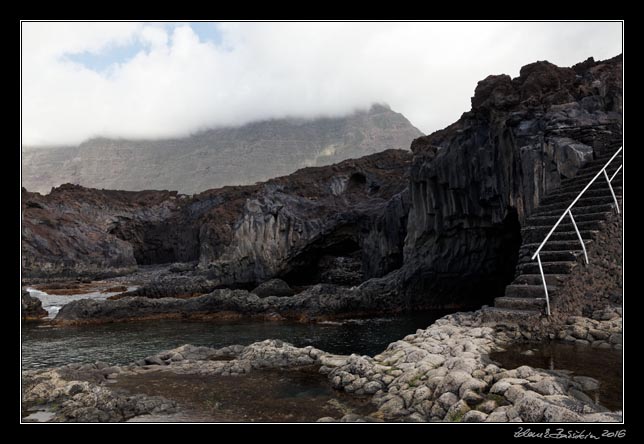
475 182
294 227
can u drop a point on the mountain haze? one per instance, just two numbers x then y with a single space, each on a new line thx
218 157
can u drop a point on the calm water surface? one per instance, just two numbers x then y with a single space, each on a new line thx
603 365
122 343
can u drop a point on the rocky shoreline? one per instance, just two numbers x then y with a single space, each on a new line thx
31 307
442 373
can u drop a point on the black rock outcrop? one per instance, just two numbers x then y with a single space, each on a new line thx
475 182
293 227
31 307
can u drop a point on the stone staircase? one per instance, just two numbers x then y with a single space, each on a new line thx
525 296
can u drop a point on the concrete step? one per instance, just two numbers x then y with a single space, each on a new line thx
553 256
558 267
586 235
528 291
561 245
534 236
530 304
565 225
551 220
535 279
596 185
585 177
537 236
583 202
569 196
509 315
576 210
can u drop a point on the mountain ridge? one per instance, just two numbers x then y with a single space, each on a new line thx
213 158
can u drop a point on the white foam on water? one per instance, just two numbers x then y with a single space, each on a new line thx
53 302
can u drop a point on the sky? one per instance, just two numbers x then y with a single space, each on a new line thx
157 80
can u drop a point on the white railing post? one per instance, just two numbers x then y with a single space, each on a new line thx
611 191
578 235
545 285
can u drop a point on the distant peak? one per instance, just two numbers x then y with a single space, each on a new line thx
379 108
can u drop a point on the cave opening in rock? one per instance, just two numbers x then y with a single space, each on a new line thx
336 259
475 267
504 242
357 182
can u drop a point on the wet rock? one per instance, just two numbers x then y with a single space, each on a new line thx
550 386
326 419
531 407
497 417
581 396
453 381
457 411
474 416
579 332
446 400
514 393
394 406
471 397
487 406
273 287
372 387
556 413
616 338
154 360
31 307
586 383
603 417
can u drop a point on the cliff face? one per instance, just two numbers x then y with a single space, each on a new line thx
474 182
345 219
218 157
71 231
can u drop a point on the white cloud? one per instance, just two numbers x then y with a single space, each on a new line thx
177 84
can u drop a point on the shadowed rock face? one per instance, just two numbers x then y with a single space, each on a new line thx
75 231
238 235
218 157
474 182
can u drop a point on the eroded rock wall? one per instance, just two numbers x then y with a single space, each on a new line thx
474 182
348 212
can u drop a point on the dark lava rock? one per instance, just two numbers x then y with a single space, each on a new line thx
474 183
31 307
318 301
238 236
273 287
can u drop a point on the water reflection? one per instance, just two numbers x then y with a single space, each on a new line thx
601 364
121 343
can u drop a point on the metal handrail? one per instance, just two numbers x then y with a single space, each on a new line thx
568 212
